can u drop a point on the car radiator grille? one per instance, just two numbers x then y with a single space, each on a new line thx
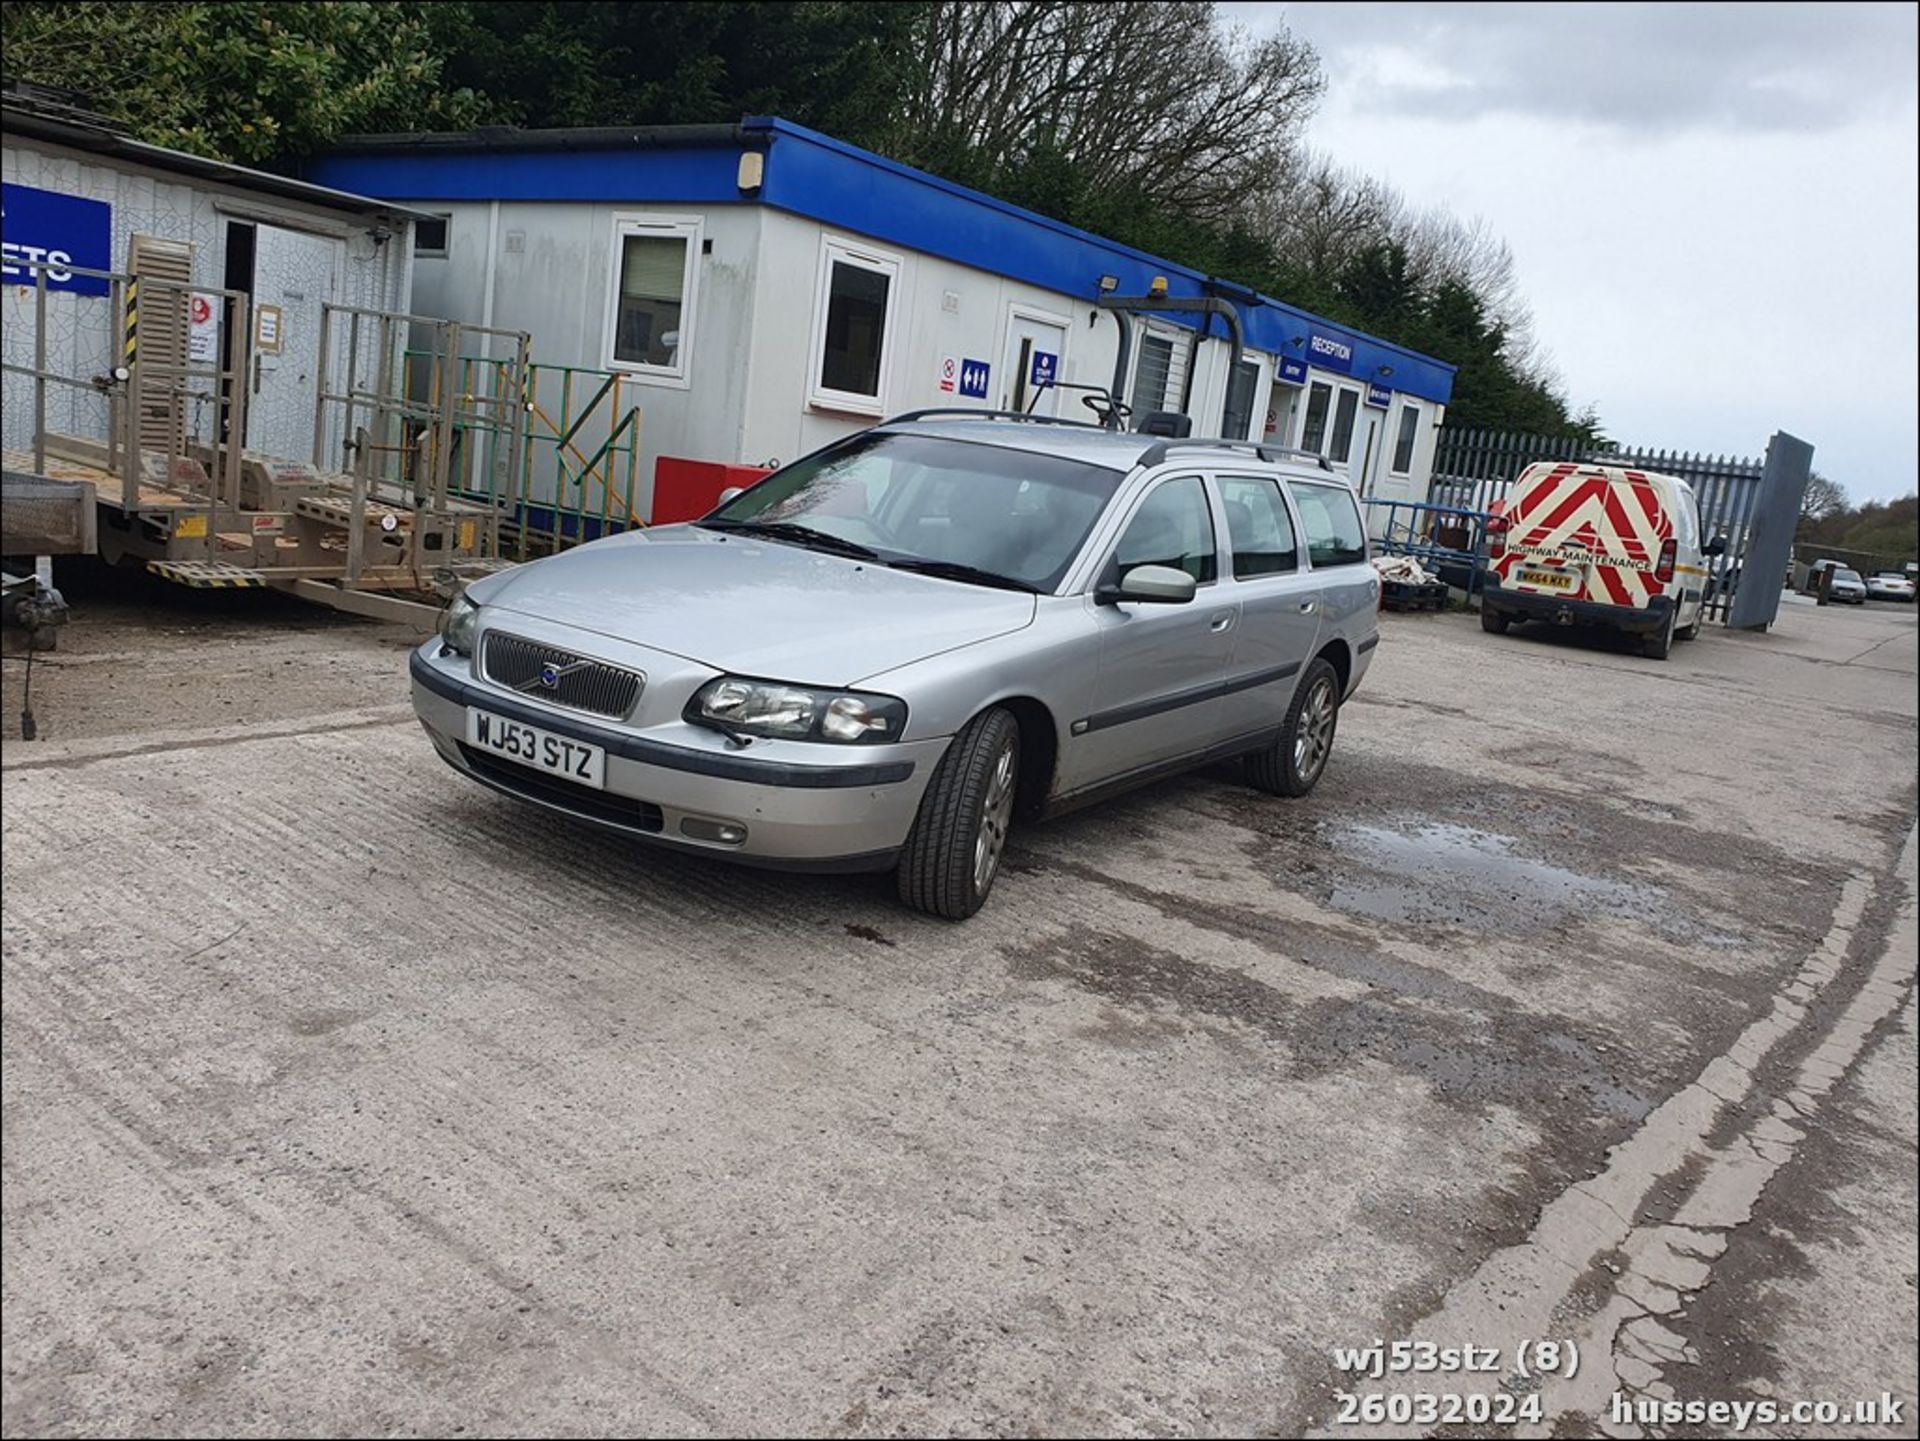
577 682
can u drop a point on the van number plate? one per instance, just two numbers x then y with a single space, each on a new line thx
1547 579
542 750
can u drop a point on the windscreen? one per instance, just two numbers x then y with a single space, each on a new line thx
915 498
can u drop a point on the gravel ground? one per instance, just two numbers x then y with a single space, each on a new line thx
342 1095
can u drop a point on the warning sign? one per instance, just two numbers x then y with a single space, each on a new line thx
949 372
203 335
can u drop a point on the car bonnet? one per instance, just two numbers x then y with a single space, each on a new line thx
754 607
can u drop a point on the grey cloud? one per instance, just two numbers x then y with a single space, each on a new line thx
1635 68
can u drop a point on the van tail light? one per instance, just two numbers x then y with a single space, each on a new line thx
1663 572
1496 536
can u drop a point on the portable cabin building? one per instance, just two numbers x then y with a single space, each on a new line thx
764 289
82 192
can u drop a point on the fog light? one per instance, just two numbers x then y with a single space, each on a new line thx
726 832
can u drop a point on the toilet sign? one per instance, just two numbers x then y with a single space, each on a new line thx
973 378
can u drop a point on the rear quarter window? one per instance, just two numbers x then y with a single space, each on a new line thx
1330 523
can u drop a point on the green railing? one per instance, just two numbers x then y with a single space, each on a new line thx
579 462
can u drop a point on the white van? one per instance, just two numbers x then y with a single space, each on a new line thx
1599 545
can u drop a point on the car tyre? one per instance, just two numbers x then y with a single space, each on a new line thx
1660 644
1492 621
1292 765
1691 632
953 852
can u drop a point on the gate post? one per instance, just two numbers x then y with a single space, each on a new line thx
1783 484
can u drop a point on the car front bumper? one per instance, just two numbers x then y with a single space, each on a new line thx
803 806
1528 605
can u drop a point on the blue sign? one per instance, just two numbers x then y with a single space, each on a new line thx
973 378
1379 395
57 231
1329 351
1045 365
1292 372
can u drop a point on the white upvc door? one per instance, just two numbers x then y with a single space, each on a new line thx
1035 355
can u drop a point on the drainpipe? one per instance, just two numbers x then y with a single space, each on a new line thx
493 251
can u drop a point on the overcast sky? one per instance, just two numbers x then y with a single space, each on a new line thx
1712 207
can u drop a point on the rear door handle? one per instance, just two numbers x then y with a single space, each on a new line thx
1222 620
1307 607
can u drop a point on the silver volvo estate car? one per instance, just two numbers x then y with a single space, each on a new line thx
883 655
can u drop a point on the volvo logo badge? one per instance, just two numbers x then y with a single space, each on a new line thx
550 676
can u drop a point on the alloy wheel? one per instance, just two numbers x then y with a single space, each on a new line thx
1314 737
996 817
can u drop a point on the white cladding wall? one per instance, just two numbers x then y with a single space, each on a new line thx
552 275
941 309
755 332
82 332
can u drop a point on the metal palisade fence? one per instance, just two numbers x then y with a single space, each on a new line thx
1474 468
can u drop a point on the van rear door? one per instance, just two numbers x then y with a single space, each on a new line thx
1586 533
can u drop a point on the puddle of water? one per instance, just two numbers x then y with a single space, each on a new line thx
1451 874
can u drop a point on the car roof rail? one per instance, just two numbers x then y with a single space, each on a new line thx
1157 453
967 412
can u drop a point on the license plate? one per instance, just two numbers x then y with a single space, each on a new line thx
541 750
1548 579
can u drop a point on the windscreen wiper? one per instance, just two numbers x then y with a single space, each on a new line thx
798 534
955 570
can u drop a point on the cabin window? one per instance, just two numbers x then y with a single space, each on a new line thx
655 277
854 327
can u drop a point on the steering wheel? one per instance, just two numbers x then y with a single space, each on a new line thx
1107 408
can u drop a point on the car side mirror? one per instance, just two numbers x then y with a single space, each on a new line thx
1149 585
1716 546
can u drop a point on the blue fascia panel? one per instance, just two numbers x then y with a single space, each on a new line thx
703 174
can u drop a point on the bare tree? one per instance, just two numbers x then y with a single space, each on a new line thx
1321 215
1823 499
1153 99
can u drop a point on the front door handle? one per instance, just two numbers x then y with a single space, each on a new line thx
1222 620
1307 607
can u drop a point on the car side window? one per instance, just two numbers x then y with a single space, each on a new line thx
1331 521
1173 526
1258 527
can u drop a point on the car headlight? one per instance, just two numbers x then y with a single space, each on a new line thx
457 622
794 712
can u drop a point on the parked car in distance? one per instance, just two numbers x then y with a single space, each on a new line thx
1601 545
1846 585
1889 585
883 655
